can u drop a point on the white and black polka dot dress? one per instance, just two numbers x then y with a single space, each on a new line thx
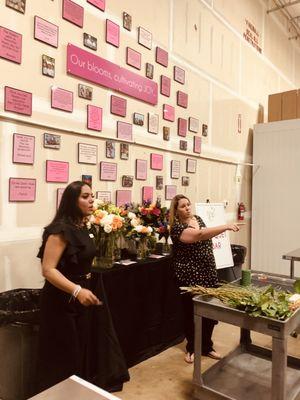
194 263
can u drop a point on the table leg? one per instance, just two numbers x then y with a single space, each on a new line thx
292 269
279 368
245 338
197 377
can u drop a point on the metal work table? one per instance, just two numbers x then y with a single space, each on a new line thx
249 371
292 256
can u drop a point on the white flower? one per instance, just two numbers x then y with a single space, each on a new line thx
134 222
92 219
107 228
89 224
107 219
131 215
139 228
149 229
97 203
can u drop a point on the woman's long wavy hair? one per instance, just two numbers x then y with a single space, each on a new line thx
68 210
174 206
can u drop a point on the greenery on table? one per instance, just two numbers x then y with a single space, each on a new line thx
256 301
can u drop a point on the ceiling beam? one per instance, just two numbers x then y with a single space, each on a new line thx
291 3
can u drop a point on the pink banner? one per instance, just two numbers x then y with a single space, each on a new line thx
22 189
17 101
98 3
10 45
95 69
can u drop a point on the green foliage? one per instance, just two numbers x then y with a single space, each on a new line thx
297 286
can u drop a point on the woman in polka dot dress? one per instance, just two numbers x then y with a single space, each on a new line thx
194 264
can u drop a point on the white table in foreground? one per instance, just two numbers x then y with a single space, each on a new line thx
74 388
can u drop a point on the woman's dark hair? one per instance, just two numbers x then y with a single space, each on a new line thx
68 210
174 206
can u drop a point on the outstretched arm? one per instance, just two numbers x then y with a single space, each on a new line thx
191 235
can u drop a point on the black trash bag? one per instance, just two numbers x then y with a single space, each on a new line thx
238 254
19 305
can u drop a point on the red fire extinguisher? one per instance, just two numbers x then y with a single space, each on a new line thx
241 211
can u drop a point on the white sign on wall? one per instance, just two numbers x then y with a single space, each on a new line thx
213 214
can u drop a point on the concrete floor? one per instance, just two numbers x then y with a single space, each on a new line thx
167 377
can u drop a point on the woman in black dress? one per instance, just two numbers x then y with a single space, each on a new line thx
194 264
66 253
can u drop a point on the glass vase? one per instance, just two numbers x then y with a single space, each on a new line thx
107 252
142 250
166 248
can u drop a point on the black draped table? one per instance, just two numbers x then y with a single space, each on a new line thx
141 317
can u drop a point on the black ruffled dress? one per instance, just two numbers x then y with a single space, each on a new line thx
64 321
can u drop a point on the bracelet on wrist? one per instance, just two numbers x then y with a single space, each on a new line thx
76 291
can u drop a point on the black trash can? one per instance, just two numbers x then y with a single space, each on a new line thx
232 273
19 316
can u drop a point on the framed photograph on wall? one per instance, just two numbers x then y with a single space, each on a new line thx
168 113
48 66
182 99
141 170
124 151
57 171
85 92
145 38
127 21
182 127
87 179
90 41
23 149
112 33
183 145
94 118
108 171
21 189
149 70
138 119
87 153
159 182
197 144
103 195
127 180
100 4
133 58
166 133
118 105
45 31
156 161
51 141
179 75
10 45
162 56
170 191
110 146
17 101
204 130
193 125
185 180
18 5
165 85
191 165
153 122
175 169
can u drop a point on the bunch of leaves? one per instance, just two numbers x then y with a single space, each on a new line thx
256 301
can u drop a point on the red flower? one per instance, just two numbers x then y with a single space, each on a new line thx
156 211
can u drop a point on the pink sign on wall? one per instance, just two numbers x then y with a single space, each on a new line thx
61 99
182 99
112 33
156 161
98 3
123 197
182 127
165 85
93 68
197 144
17 101
162 56
133 58
45 31
22 189
57 171
168 113
73 12
10 45
108 171
170 192
23 149
94 118
124 131
147 193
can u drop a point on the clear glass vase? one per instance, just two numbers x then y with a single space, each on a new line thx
142 250
166 248
107 251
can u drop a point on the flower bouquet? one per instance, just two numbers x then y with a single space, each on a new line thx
107 226
141 234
